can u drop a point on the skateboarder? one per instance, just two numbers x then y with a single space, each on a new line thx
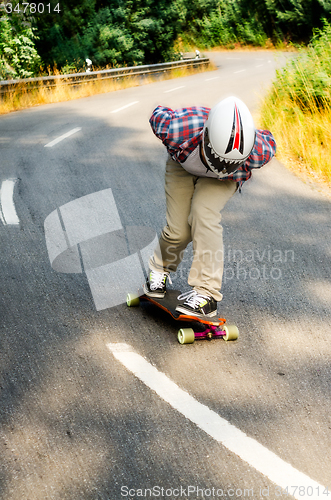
211 153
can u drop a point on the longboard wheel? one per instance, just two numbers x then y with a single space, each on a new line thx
132 300
232 332
186 336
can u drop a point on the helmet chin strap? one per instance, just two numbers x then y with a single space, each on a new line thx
221 175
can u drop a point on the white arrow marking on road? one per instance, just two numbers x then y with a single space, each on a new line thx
124 107
8 211
64 136
176 88
263 460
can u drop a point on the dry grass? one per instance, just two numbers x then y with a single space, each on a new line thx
23 97
303 137
298 111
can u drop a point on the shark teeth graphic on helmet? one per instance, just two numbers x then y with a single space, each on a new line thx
213 152
217 163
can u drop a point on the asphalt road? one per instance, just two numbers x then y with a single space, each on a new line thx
82 419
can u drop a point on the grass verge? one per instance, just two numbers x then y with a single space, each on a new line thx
303 138
23 98
298 112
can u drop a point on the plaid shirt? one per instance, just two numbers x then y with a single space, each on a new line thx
181 132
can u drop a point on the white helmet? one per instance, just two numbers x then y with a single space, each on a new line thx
229 136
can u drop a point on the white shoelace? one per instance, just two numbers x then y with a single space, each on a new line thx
193 298
156 279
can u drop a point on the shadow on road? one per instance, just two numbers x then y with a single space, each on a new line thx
75 424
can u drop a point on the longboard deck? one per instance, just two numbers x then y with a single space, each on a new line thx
169 304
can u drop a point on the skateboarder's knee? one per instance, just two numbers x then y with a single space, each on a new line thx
177 235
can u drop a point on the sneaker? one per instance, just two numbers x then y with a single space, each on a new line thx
197 304
156 284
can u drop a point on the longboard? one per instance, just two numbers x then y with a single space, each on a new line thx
213 327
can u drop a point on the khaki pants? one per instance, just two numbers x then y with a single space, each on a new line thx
193 214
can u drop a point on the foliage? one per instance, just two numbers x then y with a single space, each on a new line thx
298 18
228 23
258 22
298 109
130 32
306 80
18 55
110 32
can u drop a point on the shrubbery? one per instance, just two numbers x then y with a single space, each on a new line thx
298 107
306 80
18 55
130 32
113 32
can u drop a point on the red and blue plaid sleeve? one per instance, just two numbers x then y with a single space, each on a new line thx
263 151
160 122
179 130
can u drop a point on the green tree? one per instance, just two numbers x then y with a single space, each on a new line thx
110 32
130 32
18 55
297 18
224 22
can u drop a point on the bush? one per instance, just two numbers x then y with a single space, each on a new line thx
110 33
298 109
18 55
306 80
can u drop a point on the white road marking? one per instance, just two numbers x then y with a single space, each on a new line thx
240 71
176 88
252 452
1 216
64 136
259 65
214 78
8 211
124 107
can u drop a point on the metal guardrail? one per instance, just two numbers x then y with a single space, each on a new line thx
7 86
